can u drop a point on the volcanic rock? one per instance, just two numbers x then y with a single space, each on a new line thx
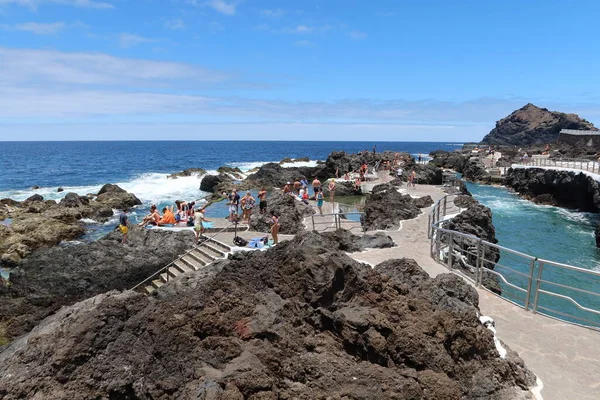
51 278
291 213
298 321
342 188
464 201
451 160
74 200
60 189
428 174
424 202
273 175
384 209
33 198
115 197
533 125
345 240
187 172
210 183
233 172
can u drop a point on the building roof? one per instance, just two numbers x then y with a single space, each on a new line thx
579 133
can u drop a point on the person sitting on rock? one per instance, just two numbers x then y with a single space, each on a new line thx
168 217
152 218
287 189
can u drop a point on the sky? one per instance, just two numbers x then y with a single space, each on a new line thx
290 70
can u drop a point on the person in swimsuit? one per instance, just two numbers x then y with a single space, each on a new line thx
274 227
124 225
319 197
262 196
248 203
331 188
198 220
234 201
152 218
316 185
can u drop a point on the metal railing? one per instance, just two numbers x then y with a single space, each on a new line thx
557 290
571 163
169 265
341 220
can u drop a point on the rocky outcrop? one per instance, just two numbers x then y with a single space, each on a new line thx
474 170
342 188
424 202
554 187
291 213
344 240
454 160
299 321
51 278
198 172
386 207
37 223
531 125
233 172
273 175
213 183
428 174
476 220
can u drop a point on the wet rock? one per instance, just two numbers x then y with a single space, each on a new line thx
35 187
50 278
187 172
209 183
34 198
233 172
454 160
385 208
546 199
115 197
296 321
60 189
424 202
291 213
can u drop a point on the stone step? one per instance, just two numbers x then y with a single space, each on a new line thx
199 257
149 289
220 245
157 283
174 272
182 266
207 254
212 250
192 263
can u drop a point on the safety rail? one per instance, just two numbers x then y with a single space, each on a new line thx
571 163
339 220
557 290
166 267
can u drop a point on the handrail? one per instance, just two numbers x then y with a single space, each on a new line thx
584 165
337 220
166 267
446 245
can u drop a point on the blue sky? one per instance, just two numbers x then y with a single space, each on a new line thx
313 70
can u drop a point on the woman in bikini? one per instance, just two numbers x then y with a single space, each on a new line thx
248 203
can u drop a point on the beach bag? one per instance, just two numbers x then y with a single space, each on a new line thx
190 221
239 241
256 243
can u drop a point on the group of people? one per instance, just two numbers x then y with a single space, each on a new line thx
246 203
299 189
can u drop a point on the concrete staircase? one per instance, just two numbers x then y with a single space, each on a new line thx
199 257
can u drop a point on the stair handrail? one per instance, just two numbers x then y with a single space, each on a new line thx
166 267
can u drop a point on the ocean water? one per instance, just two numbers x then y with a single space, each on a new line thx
549 233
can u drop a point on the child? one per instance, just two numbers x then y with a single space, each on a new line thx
319 198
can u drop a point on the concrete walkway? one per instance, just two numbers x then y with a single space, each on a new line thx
565 357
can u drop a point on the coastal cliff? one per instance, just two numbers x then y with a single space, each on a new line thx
531 125
301 320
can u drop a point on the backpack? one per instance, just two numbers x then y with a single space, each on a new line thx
190 221
240 241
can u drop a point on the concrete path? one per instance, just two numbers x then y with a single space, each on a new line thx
565 357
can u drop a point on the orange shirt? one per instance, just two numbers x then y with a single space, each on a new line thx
168 218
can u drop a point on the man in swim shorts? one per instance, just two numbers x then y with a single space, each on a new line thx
123 225
316 185
262 197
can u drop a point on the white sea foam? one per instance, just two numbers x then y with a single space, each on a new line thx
247 166
300 164
152 187
88 221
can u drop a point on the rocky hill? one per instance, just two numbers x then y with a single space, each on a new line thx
532 125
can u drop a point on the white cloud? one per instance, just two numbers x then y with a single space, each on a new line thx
175 24
273 13
127 40
227 8
357 35
304 43
23 67
34 4
36 27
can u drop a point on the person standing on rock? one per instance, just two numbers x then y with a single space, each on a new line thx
199 219
316 185
124 225
413 178
304 183
331 188
274 227
319 197
262 197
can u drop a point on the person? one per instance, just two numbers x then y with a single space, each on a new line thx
357 185
234 202
413 178
419 159
316 183
374 149
152 218
304 196
274 227
248 203
525 158
287 189
337 172
297 187
319 197
124 225
262 197
331 188
346 176
302 192
191 210
304 182
168 218
198 220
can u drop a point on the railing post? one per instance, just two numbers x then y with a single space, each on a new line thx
429 226
529 283
482 264
445 201
437 245
537 287
477 262
438 213
312 217
450 245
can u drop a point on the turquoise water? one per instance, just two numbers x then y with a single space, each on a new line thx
549 233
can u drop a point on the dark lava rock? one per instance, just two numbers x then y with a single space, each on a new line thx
299 321
234 172
74 200
474 170
546 199
273 175
60 189
291 213
209 183
345 240
115 197
451 160
51 278
597 235
428 174
385 209
533 125
424 202
464 201
187 172
35 187
35 197
342 188
562 188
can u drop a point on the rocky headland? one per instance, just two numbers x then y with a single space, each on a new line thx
299 321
